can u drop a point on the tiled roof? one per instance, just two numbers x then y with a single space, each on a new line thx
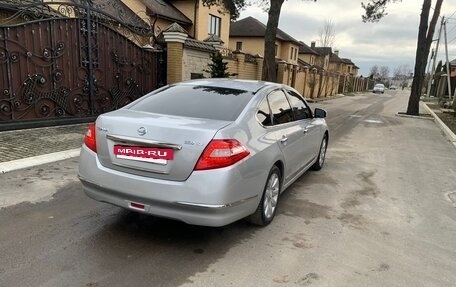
349 62
335 59
323 51
304 49
166 10
175 28
198 45
251 27
303 63
214 39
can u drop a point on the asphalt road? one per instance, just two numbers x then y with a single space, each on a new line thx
380 213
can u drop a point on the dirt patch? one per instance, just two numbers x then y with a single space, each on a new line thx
298 241
304 209
350 202
308 279
352 220
449 118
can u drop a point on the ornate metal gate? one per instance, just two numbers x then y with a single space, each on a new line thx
64 62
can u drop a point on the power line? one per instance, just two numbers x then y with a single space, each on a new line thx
454 27
451 40
452 14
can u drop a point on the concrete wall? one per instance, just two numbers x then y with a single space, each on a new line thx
195 61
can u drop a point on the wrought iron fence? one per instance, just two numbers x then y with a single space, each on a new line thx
62 61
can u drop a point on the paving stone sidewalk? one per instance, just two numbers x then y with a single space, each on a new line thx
26 143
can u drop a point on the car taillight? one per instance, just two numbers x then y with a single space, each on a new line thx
90 139
221 153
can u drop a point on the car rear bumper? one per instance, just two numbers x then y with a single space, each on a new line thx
209 198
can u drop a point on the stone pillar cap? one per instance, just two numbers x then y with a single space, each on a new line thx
175 33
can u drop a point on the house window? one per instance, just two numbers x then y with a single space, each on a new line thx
296 54
276 48
214 25
238 46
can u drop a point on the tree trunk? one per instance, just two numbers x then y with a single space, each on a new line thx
424 42
269 64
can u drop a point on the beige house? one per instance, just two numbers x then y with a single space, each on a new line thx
349 67
199 21
307 54
335 63
323 56
247 35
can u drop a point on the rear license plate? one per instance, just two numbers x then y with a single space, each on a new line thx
147 154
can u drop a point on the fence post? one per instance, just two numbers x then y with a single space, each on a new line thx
175 37
259 71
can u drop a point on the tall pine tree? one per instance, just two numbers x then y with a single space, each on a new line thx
218 68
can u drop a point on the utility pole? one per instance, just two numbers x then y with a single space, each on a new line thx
447 63
429 64
435 57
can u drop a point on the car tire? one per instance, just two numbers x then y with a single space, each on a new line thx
321 154
265 212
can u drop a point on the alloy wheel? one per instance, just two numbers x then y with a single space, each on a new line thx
271 195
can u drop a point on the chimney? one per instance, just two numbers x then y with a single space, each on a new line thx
336 52
312 44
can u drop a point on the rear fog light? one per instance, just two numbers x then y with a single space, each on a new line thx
137 205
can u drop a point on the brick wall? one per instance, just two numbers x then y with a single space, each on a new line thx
174 64
245 66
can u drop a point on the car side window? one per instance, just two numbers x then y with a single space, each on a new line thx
280 108
301 110
263 114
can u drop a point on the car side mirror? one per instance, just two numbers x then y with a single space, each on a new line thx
319 113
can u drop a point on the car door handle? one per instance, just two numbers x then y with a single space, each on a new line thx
305 131
284 139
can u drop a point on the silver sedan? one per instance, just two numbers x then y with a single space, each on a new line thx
206 152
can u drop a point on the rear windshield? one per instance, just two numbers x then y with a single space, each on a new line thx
206 102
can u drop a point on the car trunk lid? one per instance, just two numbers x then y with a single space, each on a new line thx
153 145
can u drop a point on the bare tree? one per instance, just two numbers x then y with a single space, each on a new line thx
402 72
327 34
384 73
375 10
374 71
269 65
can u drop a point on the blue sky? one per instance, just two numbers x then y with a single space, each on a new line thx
391 42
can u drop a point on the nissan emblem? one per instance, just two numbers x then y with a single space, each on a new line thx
142 131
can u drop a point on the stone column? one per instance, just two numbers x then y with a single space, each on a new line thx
175 37
282 65
259 72
240 62
305 71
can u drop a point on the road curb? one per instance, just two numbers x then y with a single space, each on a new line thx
37 160
450 135
316 100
